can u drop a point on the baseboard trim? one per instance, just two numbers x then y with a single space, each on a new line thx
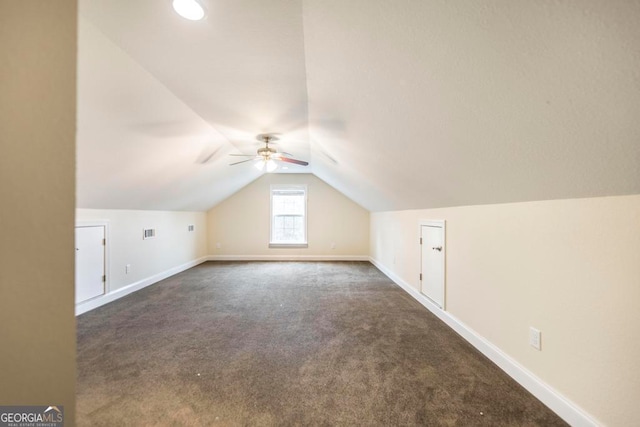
94 303
288 258
566 409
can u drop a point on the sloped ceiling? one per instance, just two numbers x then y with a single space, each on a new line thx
397 104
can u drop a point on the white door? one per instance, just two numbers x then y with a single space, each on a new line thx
90 270
432 265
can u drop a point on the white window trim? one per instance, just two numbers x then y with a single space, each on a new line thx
273 244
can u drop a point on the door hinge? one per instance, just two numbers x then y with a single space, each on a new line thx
104 242
104 278
421 240
421 277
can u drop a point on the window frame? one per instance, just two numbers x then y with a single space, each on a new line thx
291 187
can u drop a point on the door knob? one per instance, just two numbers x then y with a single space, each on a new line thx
437 248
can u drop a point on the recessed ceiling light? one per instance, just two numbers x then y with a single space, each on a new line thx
189 9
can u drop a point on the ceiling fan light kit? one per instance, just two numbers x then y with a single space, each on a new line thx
266 155
270 165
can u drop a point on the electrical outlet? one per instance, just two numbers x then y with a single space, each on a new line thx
333 245
127 268
218 245
535 338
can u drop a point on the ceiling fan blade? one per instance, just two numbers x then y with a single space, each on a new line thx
297 162
242 161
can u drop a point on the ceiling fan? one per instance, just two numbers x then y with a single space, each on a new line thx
266 155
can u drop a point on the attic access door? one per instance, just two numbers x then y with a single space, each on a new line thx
90 262
432 272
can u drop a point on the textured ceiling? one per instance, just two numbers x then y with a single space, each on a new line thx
397 104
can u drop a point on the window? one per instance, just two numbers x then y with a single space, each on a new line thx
288 216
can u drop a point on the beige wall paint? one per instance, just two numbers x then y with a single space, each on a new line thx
173 246
570 268
37 164
241 223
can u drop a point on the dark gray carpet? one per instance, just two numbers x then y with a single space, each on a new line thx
286 343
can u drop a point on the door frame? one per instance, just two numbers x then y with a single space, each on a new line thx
437 223
105 224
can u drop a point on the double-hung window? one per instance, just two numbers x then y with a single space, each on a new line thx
288 216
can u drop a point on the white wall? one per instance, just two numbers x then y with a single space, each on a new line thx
241 223
37 183
570 268
173 247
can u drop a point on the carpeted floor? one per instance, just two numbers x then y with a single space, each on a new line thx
286 343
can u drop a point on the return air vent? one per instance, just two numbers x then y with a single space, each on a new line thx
148 233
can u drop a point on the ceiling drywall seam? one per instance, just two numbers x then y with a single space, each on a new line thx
314 159
315 149
337 155
306 75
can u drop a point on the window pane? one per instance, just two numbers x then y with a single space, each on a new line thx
288 224
291 204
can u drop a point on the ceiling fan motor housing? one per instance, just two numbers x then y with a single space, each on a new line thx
266 152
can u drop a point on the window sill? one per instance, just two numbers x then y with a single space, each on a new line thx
288 245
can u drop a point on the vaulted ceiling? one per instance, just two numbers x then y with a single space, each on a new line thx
397 104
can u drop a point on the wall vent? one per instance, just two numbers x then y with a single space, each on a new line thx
192 227
148 233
